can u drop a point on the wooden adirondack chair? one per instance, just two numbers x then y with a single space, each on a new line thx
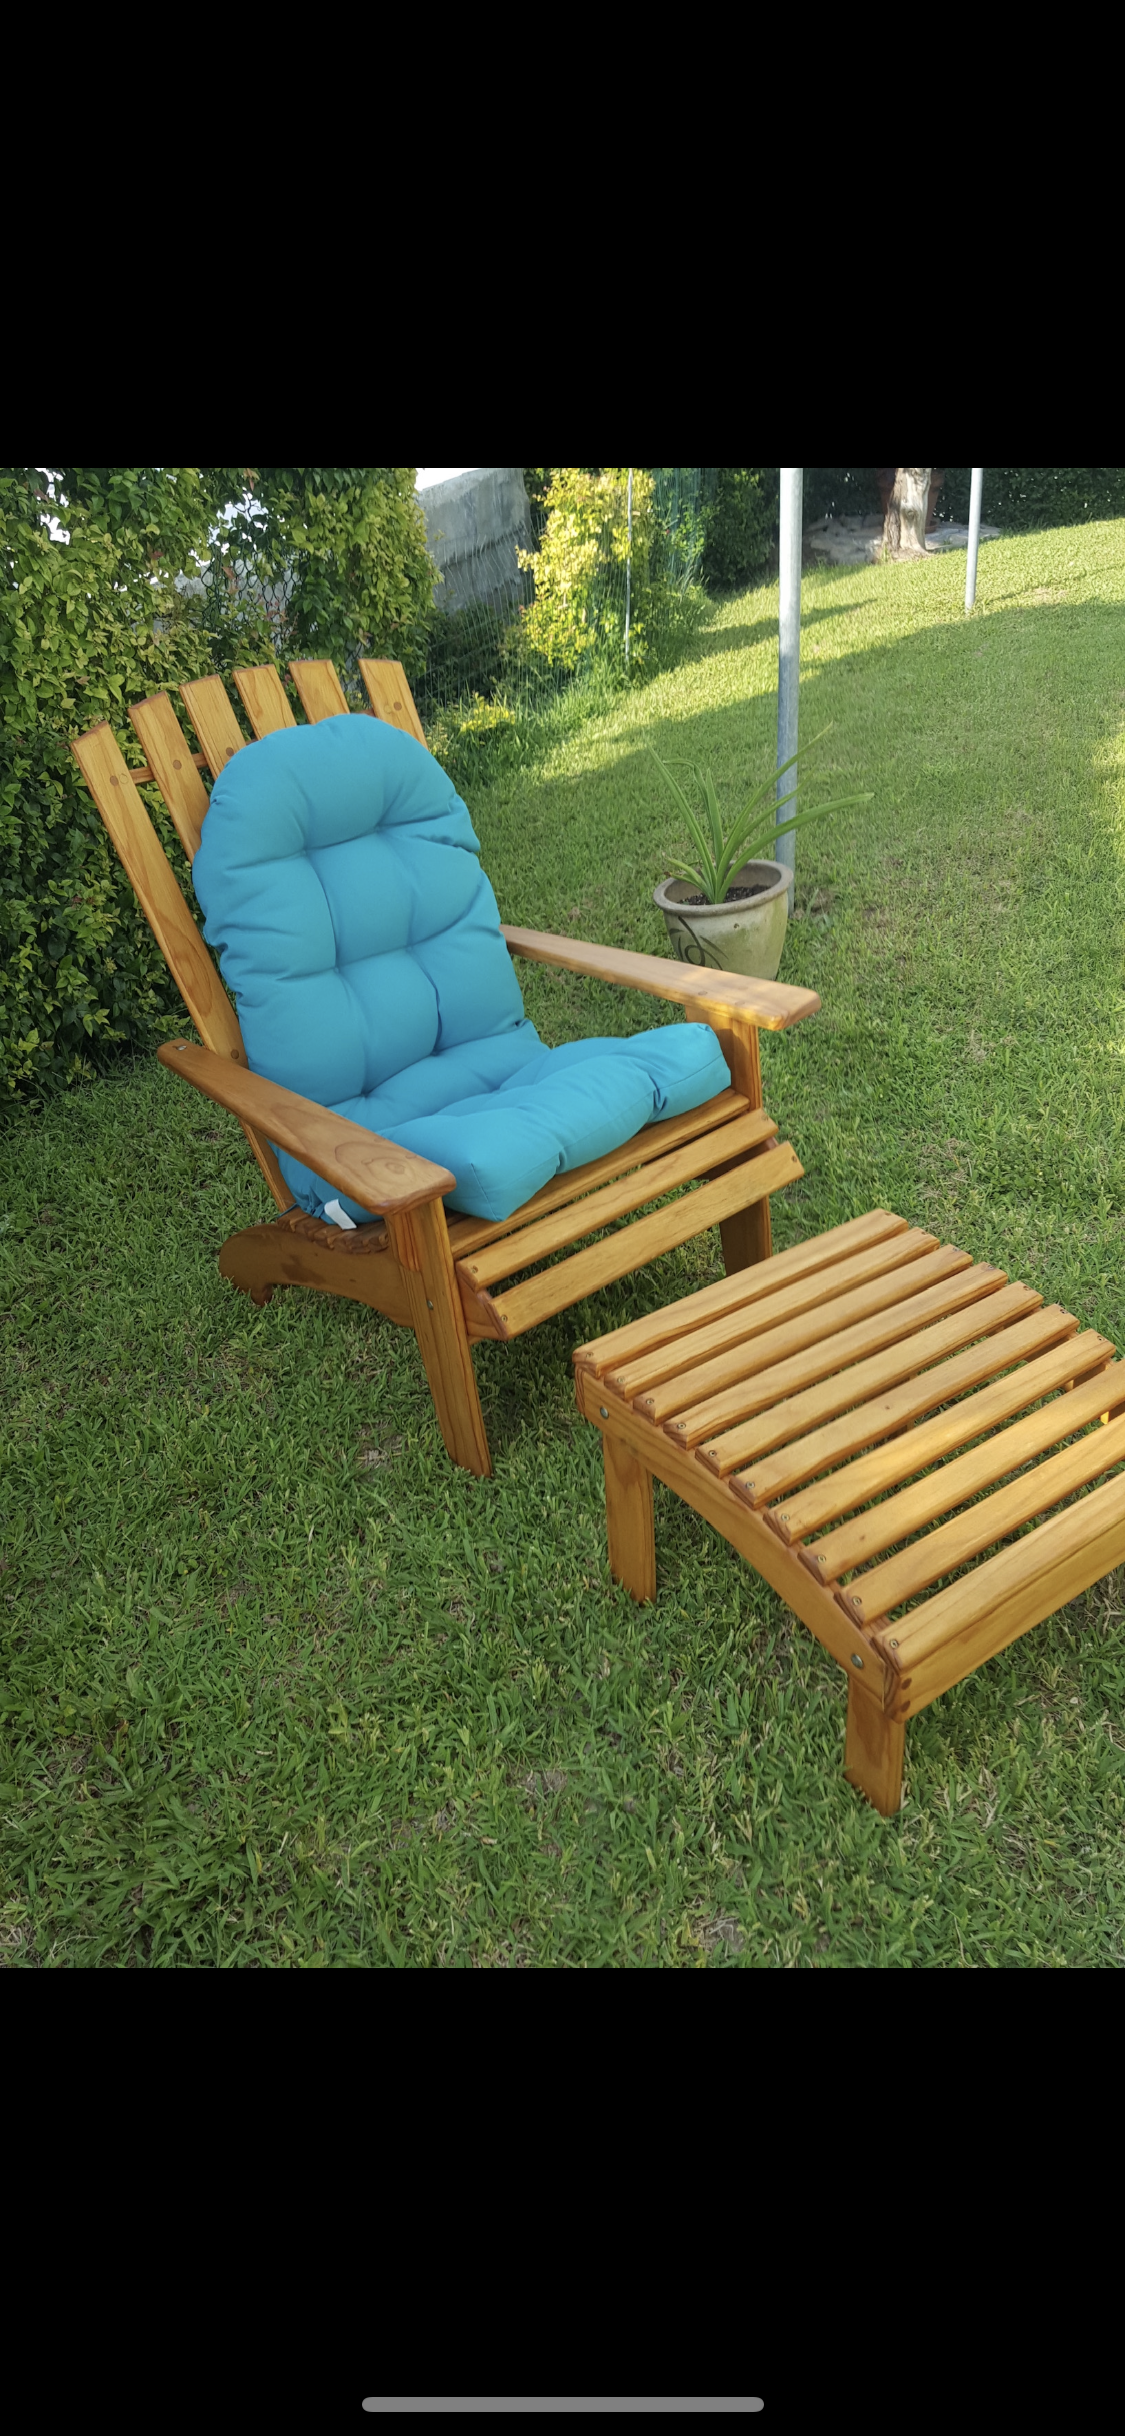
426 1269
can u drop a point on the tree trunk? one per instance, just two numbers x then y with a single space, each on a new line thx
904 526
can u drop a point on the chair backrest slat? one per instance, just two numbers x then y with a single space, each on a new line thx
103 767
264 700
210 713
322 695
173 768
390 696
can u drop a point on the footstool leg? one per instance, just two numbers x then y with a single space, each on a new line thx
629 1523
873 1752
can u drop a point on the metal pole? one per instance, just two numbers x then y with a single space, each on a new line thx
628 565
974 536
789 644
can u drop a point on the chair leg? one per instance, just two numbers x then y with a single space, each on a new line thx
873 1752
746 1237
420 1240
629 1521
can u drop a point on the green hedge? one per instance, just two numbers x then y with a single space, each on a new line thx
1018 498
1028 498
741 524
92 622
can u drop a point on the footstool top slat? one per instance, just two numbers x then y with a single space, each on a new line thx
730 1293
895 1451
994 1457
828 1379
899 1292
678 1356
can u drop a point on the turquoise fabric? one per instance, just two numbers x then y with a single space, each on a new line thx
341 888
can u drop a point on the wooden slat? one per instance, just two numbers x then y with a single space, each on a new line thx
634 1379
889 1585
264 700
746 1532
708 1387
469 1234
102 764
955 1631
555 1289
173 768
817 1255
390 696
379 1175
854 1387
321 693
888 1417
836 1355
614 1201
767 1003
214 721
860 1541
480 1318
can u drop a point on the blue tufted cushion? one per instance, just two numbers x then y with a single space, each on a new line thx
341 888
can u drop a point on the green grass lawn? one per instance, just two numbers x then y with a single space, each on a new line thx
283 1687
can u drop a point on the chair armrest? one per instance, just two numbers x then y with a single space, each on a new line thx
766 1003
377 1174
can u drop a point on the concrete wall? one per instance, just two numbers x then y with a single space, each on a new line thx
474 526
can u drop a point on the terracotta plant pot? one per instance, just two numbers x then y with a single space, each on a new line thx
746 937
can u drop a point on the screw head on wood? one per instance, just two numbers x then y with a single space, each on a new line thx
604 1411
856 1659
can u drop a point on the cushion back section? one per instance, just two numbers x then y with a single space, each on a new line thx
341 886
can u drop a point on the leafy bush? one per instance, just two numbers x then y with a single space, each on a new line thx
87 625
840 490
347 545
1027 498
468 653
537 482
740 524
579 567
1018 498
468 737
333 564
579 608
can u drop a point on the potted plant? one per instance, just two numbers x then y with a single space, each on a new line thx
731 910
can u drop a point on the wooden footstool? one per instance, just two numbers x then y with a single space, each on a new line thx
793 1402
